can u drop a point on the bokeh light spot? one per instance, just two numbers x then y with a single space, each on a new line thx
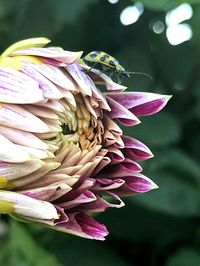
177 34
131 14
179 14
113 1
158 27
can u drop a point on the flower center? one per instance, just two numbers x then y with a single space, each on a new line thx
83 126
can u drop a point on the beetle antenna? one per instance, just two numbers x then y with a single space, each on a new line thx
141 73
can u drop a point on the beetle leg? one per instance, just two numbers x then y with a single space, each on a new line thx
119 79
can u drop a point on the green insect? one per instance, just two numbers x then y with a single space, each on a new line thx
106 64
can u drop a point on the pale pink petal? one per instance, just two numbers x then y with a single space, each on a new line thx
36 153
48 193
16 87
17 117
49 90
31 180
56 75
29 207
9 152
15 170
100 78
23 138
83 80
53 53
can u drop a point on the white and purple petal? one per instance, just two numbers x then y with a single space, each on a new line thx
16 87
141 103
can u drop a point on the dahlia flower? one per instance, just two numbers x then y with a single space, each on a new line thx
63 154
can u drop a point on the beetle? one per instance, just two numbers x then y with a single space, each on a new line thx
106 64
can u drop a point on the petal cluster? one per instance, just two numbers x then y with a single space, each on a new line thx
63 154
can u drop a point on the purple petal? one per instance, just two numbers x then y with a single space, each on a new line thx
119 170
100 204
141 103
105 184
115 155
122 114
83 225
82 186
135 183
63 218
84 197
135 150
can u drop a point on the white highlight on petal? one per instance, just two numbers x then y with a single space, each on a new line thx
9 152
23 138
26 206
15 170
17 117
16 87
66 57
131 14
177 34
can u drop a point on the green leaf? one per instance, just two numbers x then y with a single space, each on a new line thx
159 130
176 160
139 224
50 18
81 252
25 250
177 175
67 11
184 257
174 196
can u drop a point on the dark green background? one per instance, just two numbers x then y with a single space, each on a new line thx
161 227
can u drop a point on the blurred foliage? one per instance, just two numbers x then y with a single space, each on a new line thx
161 227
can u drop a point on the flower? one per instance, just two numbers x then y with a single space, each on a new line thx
63 154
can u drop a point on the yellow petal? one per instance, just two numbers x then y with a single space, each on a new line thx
28 43
6 207
3 181
10 63
29 58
